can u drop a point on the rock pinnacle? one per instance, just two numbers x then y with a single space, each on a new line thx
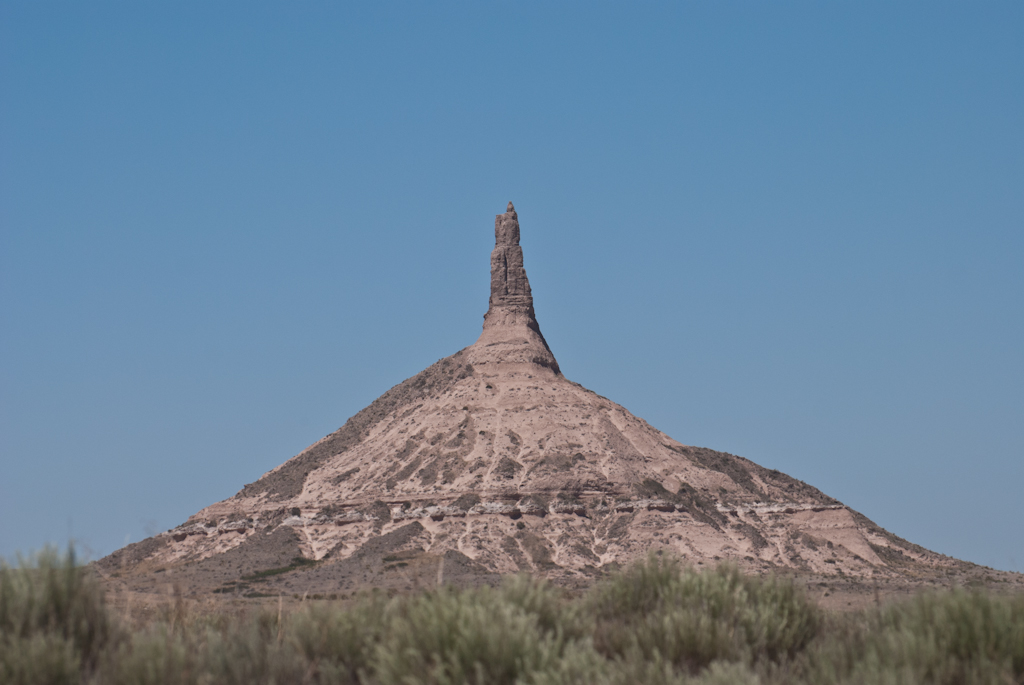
511 334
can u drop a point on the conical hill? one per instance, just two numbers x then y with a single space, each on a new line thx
491 462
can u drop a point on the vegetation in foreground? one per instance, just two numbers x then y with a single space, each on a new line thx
656 623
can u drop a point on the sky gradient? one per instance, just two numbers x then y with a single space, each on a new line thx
789 231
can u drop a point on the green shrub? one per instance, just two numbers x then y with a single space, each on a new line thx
656 623
550 608
156 656
52 608
339 643
249 651
692 618
474 637
953 637
253 652
45 658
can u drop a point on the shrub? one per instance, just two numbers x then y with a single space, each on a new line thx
656 608
656 623
952 637
52 618
45 658
475 637
339 643
252 652
549 607
155 656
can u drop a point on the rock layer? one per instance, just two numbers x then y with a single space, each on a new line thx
492 462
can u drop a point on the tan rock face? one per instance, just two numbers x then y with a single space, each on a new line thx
511 333
491 462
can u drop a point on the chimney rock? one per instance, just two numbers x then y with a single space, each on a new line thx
511 334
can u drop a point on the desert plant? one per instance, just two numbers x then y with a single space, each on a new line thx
473 637
45 658
549 606
656 622
338 644
658 609
158 655
939 637
254 652
53 618
251 649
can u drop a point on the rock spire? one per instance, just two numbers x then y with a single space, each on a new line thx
511 334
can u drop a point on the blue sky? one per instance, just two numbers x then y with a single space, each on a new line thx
790 231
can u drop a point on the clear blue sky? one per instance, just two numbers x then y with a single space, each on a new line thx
791 231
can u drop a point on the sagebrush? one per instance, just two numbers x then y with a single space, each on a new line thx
656 622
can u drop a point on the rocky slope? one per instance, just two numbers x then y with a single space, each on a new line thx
491 462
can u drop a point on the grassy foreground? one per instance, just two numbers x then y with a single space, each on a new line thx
655 623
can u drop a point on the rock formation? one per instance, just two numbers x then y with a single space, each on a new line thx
491 462
511 333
